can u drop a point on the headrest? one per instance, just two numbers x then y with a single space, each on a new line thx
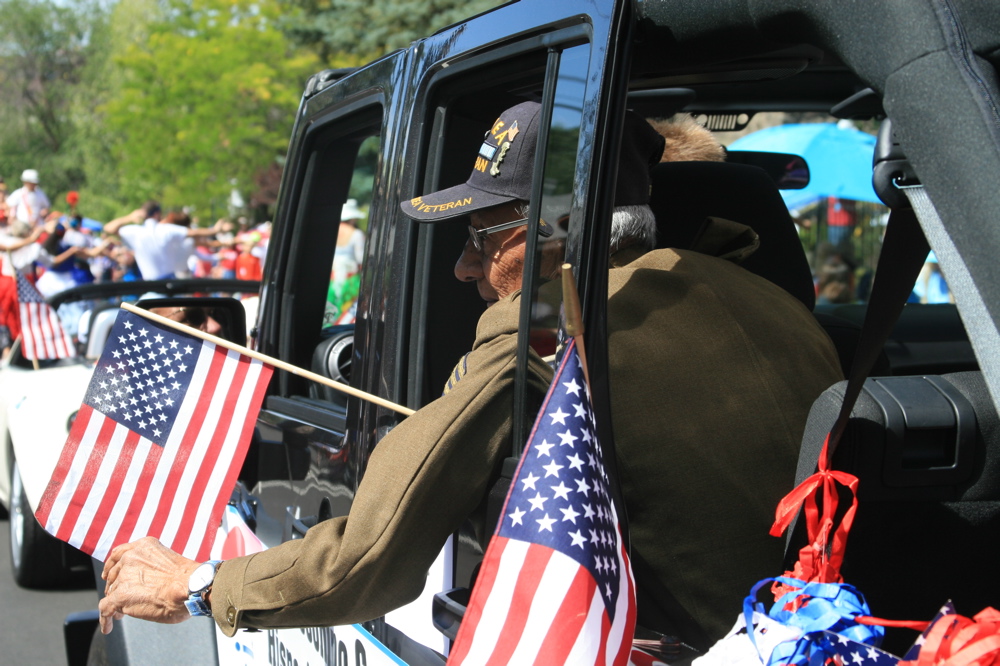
685 193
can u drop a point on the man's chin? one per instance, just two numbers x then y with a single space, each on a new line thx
489 298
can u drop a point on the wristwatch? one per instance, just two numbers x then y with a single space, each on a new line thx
199 584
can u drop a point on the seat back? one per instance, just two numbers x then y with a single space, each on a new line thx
685 193
927 455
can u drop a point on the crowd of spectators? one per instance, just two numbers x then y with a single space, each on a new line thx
58 249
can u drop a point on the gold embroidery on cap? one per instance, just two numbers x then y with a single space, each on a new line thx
495 169
421 207
481 164
508 134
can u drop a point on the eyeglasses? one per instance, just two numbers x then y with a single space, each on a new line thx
477 236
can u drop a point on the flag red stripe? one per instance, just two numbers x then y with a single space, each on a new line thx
603 648
569 620
141 491
187 443
68 522
111 493
29 312
630 618
27 334
45 337
528 580
207 463
61 339
234 469
484 586
63 464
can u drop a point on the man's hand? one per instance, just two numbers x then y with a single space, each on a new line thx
147 580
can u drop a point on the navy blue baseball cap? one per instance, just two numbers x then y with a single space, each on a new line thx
501 173
504 165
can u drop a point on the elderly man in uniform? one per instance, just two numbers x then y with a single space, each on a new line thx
713 371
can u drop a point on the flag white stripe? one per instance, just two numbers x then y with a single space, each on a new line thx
616 634
101 480
198 376
63 343
75 472
244 395
587 646
490 624
555 583
120 508
27 332
198 452
46 340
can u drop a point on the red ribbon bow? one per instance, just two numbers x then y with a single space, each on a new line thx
820 559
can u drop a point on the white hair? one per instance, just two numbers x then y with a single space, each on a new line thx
630 225
633 225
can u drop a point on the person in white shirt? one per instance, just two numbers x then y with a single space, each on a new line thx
28 203
161 246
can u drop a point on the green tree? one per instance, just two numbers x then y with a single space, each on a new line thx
45 49
351 32
205 101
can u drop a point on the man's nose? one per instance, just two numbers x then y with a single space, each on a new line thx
469 267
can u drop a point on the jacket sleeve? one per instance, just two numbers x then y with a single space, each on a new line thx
422 480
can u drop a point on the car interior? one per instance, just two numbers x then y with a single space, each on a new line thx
921 437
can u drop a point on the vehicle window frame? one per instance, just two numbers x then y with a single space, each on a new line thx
312 235
429 157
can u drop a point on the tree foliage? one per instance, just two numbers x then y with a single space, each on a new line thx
351 32
206 101
178 100
45 49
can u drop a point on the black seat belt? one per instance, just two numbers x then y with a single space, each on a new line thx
904 252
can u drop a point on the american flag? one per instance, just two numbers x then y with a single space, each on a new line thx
42 335
158 443
832 648
555 586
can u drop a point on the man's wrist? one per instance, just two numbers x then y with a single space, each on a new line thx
198 602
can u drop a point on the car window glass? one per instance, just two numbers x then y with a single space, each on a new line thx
557 194
325 257
348 256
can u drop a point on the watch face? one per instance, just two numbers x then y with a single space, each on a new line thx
202 577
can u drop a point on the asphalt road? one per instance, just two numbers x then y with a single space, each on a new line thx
31 621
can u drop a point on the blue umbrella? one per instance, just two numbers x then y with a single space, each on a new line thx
92 224
839 159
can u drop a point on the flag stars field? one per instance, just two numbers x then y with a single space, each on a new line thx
154 451
561 550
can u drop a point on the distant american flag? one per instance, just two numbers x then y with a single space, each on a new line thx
157 444
555 586
42 335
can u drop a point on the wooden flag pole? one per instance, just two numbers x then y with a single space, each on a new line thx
320 379
574 316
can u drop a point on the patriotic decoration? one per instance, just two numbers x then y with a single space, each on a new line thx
955 640
158 443
42 335
556 585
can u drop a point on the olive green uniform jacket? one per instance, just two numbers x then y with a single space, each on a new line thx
422 480
713 371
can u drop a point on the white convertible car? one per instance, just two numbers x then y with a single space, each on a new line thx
39 402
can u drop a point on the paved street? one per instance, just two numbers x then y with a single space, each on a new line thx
31 621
